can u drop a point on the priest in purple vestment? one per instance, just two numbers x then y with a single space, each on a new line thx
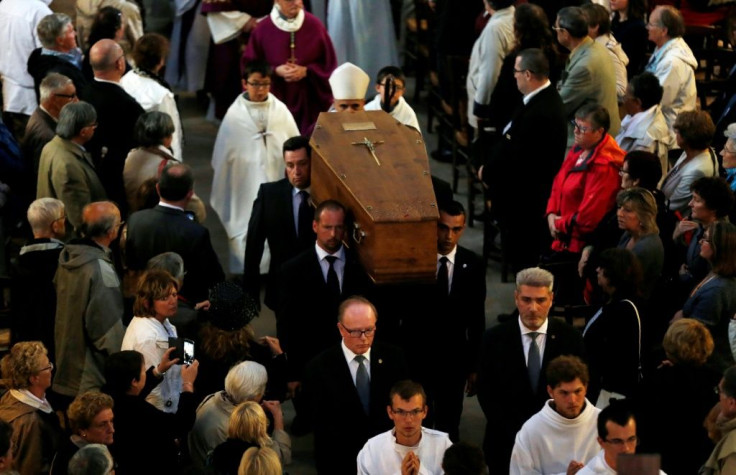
300 51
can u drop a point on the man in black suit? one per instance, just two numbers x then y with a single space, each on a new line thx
167 227
313 284
521 167
449 315
514 356
346 388
117 113
282 215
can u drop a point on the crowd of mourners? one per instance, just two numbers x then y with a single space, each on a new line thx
610 184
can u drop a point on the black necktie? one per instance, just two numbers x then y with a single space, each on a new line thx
306 215
333 283
443 276
363 384
534 362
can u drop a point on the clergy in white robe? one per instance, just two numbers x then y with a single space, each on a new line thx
248 153
549 441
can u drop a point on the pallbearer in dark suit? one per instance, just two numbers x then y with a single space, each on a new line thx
346 388
313 284
282 215
514 357
521 167
451 316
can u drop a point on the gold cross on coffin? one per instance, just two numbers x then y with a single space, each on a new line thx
370 146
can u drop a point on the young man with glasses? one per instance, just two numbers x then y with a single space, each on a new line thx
345 388
248 153
408 447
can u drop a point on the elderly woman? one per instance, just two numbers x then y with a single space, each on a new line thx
682 386
612 336
150 89
247 428
729 156
149 333
637 217
91 422
583 191
36 433
245 381
146 438
711 201
644 127
93 459
227 338
713 300
154 133
694 133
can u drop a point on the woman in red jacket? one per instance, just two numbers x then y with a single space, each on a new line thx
583 191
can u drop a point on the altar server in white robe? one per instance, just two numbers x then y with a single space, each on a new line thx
248 153
391 80
362 32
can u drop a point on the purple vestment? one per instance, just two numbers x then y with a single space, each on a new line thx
313 48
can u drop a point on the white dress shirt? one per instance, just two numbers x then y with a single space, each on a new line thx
339 264
353 365
526 340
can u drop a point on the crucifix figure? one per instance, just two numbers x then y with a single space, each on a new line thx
370 146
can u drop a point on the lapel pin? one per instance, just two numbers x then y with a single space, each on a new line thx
380 361
464 266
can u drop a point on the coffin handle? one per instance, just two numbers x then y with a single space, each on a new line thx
358 234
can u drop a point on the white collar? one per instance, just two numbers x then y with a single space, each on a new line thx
321 253
26 397
283 24
542 329
450 255
167 205
528 97
350 356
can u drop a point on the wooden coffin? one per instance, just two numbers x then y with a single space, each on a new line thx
392 205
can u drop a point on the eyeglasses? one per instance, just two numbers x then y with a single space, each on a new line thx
728 150
558 28
633 440
705 239
63 216
519 71
66 96
404 414
93 125
580 128
258 84
652 25
49 367
359 333
623 172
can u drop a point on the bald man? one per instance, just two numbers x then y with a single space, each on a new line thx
117 113
89 303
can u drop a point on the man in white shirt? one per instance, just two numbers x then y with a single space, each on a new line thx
561 438
616 436
18 21
408 448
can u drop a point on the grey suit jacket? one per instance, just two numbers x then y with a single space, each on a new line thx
589 77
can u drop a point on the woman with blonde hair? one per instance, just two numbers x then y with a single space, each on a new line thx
260 461
247 428
36 433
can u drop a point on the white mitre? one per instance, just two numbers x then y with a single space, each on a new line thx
348 81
